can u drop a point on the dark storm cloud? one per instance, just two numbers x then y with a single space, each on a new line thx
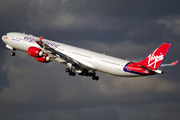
128 29
124 8
109 21
38 92
4 82
103 20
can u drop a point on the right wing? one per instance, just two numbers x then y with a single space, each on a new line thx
68 59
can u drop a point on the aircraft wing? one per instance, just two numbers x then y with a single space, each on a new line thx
171 64
74 61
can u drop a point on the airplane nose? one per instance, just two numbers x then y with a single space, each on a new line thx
5 41
3 37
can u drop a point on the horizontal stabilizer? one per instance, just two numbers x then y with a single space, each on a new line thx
171 64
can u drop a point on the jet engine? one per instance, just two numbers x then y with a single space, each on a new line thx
35 52
45 59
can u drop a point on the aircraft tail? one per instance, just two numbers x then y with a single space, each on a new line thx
154 60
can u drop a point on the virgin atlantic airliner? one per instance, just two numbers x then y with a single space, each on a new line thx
85 62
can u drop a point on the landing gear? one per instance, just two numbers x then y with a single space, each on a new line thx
72 72
90 74
69 70
13 53
95 78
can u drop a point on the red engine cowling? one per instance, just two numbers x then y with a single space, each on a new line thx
45 59
35 52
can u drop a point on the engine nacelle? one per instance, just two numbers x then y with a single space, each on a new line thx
45 59
35 52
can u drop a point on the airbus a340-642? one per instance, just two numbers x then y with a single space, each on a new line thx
85 62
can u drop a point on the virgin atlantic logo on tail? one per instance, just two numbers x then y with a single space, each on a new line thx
153 59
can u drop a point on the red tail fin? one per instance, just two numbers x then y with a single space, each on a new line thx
154 60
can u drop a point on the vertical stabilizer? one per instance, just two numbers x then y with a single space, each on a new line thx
154 60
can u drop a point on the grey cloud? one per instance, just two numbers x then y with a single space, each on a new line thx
123 8
4 82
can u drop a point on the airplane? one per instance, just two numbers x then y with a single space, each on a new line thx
85 62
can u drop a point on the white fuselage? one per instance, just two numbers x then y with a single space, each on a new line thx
92 60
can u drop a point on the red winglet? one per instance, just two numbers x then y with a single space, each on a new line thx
40 39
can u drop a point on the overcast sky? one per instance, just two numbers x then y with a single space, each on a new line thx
127 29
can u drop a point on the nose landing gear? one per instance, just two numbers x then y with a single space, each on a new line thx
13 53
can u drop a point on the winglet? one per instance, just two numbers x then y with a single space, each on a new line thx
40 39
